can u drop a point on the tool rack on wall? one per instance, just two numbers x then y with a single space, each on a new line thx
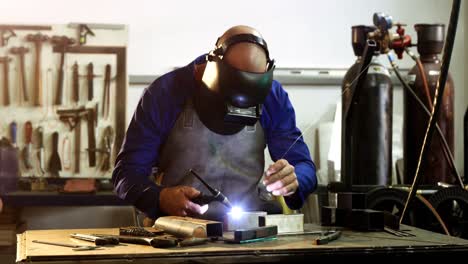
63 96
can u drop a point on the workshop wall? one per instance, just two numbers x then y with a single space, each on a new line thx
300 33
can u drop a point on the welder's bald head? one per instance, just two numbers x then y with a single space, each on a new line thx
238 75
244 56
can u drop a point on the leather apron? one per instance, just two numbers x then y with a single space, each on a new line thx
233 164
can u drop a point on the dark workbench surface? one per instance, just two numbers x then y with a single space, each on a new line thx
380 245
30 198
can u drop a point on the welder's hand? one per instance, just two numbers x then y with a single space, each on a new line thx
176 201
280 178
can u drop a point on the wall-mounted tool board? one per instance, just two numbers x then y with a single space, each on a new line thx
85 95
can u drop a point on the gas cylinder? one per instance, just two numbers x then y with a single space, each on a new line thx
437 169
369 137
465 143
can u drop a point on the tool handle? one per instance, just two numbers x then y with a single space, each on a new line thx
13 129
24 83
91 138
37 75
58 93
28 132
40 137
76 83
55 138
6 81
90 77
106 91
203 199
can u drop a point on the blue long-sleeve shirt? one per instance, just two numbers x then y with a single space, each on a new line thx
154 117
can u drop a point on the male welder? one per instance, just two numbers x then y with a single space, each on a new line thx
215 116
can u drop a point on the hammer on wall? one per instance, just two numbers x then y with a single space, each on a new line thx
37 39
20 51
62 42
6 85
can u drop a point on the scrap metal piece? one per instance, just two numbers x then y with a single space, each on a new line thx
292 223
189 227
327 237
251 235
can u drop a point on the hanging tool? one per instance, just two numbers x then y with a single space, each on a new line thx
84 31
5 35
75 247
8 31
90 77
106 147
37 39
98 241
73 118
75 84
216 195
62 43
91 118
13 129
20 51
40 153
6 83
55 164
66 152
106 91
28 145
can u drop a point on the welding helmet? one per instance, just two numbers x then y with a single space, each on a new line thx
243 92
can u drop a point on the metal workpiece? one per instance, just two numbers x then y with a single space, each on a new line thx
242 220
189 227
251 234
286 223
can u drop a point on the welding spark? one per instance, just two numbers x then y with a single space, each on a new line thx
236 211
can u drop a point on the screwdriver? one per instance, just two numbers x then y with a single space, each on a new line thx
75 247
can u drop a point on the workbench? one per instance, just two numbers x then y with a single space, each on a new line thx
284 248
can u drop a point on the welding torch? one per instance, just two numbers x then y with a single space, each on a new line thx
206 199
